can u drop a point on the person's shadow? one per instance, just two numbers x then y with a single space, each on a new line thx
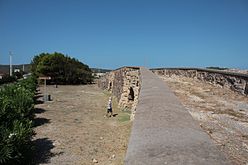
114 115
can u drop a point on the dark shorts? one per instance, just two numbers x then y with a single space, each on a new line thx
109 110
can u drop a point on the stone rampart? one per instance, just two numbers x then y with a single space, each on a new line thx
235 81
164 132
124 84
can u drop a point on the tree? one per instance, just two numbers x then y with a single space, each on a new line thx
36 60
62 69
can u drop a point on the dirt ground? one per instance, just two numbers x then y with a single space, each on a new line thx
72 128
222 113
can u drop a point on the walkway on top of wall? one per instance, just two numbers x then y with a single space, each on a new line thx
164 132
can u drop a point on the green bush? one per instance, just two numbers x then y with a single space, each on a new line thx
7 79
16 113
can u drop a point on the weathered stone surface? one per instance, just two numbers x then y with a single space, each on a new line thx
164 132
235 81
123 83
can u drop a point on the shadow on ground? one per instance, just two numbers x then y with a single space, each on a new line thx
39 102
42 146
43 152
38 121
39 98
39 110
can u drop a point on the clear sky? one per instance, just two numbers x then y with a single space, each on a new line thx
116 33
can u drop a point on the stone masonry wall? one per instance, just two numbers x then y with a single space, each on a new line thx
124 84
235 81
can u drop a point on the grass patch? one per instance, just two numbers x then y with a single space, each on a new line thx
123 114
106 92
124 117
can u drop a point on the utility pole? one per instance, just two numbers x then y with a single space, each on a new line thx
10 63
145 61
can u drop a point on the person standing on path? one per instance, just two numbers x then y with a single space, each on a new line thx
109 109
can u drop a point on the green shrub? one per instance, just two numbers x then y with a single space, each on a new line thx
16 113
7 79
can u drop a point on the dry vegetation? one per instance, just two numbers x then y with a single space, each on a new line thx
72 128
222 113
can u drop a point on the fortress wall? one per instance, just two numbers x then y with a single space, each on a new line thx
235 81
161 120
164 132
124 84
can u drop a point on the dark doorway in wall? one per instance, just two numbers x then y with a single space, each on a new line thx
131 94
246 89
110 86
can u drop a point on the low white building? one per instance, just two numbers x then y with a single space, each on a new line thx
25 76
17 70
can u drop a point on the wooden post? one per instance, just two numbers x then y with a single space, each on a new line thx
46 98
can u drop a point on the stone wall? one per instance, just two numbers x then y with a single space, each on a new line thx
235 81
124 84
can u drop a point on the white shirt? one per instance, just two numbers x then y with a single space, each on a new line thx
109 104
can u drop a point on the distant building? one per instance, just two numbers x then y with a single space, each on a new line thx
17 70
98 75
2 74
25 76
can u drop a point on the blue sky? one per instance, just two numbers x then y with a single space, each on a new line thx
115 33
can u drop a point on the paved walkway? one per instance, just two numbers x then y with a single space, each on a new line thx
164 132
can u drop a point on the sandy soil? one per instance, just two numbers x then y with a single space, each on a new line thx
222 113
72 129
